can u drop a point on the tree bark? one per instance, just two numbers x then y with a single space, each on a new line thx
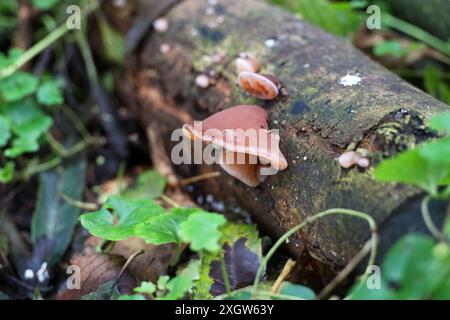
318 119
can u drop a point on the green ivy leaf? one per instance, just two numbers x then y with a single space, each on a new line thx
5 134
17 86
7 172
49 93
118 218
201 230
165 228
150 184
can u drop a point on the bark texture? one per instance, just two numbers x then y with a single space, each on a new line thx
318 119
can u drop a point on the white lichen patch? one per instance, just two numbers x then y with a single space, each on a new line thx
42 273
350 80
28 274
270 43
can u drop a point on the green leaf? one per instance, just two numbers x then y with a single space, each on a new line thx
441 122
338 18
113 42
44 4
107 291
7 172
411 167
13 55
5 134
389 47
242 254
119 217
28 123
297 291
164 228
414 268
150 184
53 218
146 287
435 84
17 86
131 297
182 284
49 93
201 230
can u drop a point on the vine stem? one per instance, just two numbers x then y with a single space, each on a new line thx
34 51
308 221
429 222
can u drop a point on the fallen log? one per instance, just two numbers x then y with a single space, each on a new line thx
336 98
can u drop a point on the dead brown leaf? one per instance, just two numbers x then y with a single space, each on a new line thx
95 270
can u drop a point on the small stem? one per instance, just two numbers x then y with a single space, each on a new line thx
288 266
429 222
87 57
63 151
79 204
309 220
201 177
170 201
346 271
84 132
125 266
224 273
34 50
31 171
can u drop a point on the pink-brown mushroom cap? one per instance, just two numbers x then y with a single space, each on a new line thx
257 85
228 124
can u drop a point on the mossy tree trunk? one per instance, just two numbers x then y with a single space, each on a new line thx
318 119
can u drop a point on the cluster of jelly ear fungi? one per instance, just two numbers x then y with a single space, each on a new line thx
248 150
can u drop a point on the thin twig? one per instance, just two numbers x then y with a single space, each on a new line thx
346 271
125 266
170 201
90 206
288 266
200 177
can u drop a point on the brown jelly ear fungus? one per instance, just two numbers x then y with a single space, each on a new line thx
248 150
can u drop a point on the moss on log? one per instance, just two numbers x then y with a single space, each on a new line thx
318 119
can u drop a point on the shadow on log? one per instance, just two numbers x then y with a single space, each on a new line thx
318 119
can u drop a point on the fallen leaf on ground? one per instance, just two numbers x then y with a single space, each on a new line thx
95 270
